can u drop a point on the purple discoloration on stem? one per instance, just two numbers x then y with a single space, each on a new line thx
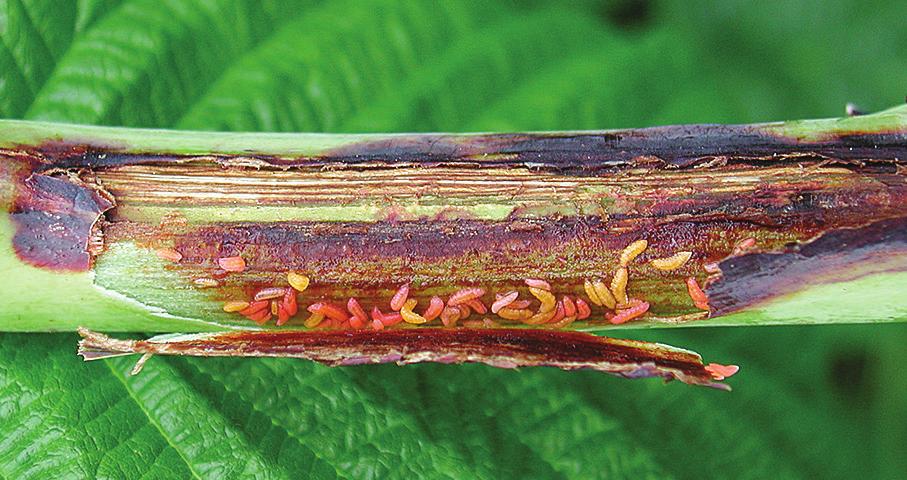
678 146
838 255
54 218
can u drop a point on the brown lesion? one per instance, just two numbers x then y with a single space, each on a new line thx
494 347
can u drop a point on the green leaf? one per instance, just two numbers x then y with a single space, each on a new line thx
810 401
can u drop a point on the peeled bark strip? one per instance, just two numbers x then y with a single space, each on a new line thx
495 347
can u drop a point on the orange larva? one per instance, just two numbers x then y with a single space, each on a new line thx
270 293
289 302
169 254
619 285
329 310
536 283
569 306
409 316
503 301
720 372
540 317
359 317
282 315
298 281
356 309
700 299
356 322
261 316
518 314
637 309
232 264
465 311
435 306
399 298
235 306
582 309
254 307
632 251
465 295
673 262
477 306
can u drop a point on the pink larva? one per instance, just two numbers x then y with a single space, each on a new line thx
400 298
504 301
559 313
477 306
638 309
583 311
536 283
520 304
700 299
720 372
356 309
386 319
465 295
569 306
435 306
743 245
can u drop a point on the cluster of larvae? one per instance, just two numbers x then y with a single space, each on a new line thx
552 312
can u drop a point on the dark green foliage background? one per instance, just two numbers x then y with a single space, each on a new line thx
811 402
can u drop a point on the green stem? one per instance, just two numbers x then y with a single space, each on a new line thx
362 214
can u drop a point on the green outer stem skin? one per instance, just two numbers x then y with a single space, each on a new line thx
40 300
18 132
